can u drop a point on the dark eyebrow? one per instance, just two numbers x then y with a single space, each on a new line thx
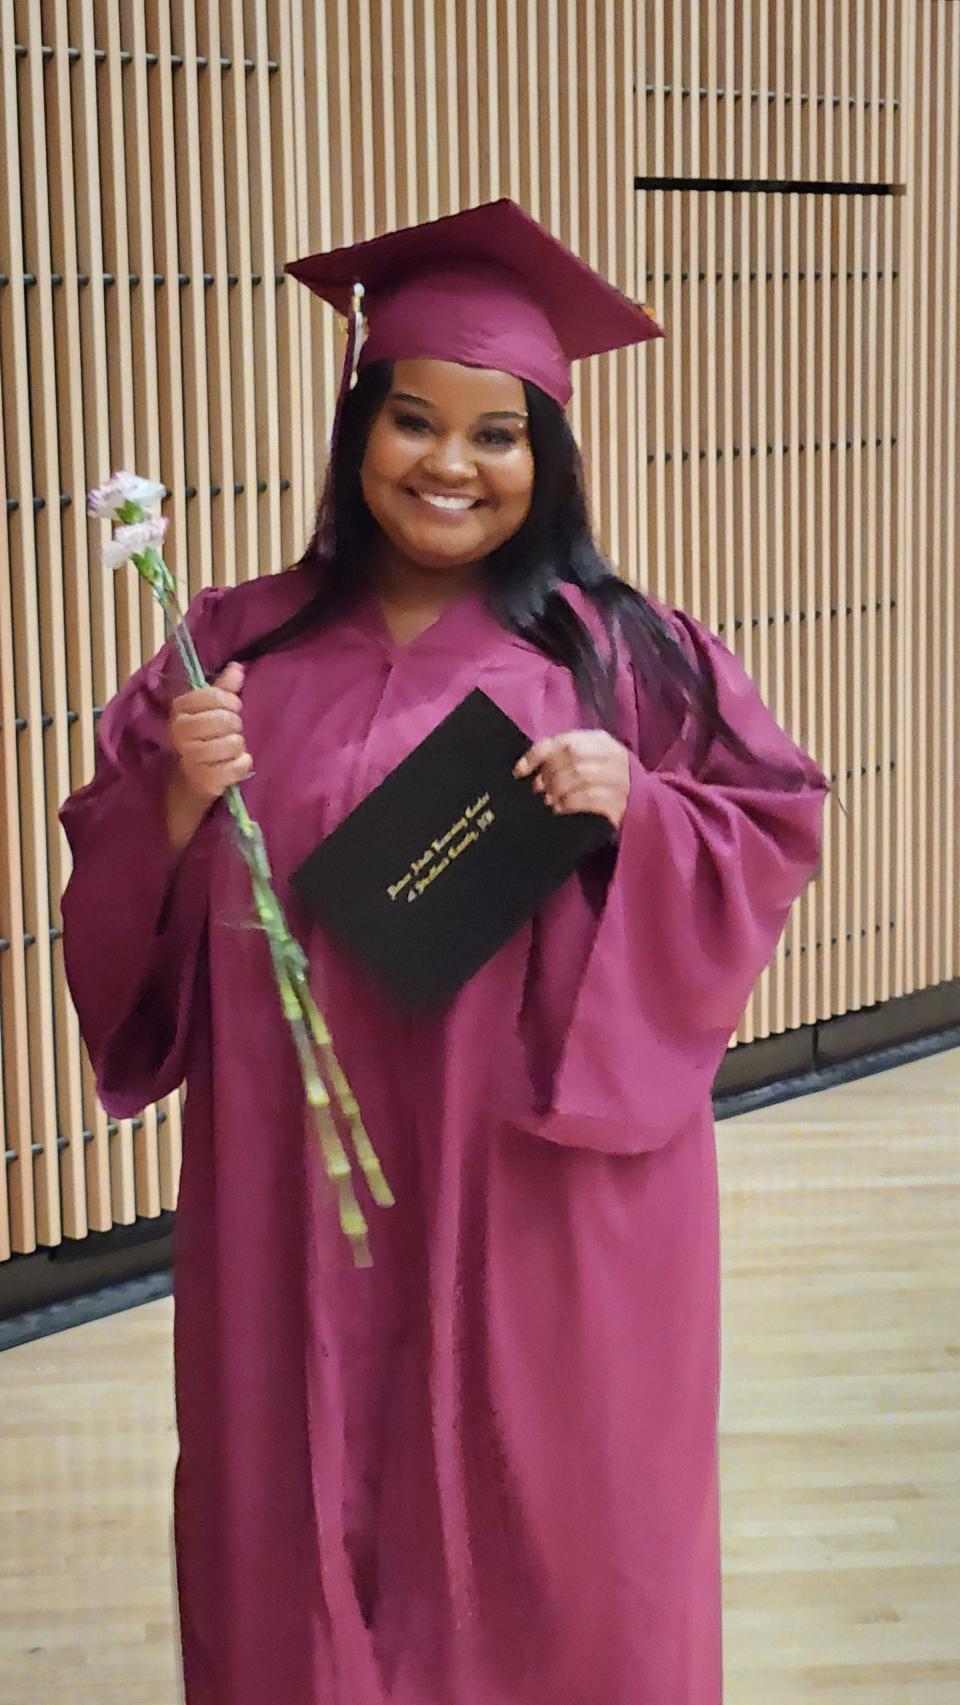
491 414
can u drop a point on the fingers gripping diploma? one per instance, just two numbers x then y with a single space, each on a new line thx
585 770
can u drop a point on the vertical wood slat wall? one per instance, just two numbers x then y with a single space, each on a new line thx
784 464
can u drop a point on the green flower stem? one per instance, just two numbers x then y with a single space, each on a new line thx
309 1030
336 1162
362 1147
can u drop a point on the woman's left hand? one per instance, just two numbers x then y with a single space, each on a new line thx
585 770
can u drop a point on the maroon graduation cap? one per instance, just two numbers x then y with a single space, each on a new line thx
488 287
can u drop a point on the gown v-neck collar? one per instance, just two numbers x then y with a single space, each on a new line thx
465 626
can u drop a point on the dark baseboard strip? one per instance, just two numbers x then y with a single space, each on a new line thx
837 1071
80 1310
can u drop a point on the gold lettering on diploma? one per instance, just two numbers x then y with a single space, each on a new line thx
444 851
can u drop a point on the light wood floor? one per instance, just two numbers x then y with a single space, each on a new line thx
840 1420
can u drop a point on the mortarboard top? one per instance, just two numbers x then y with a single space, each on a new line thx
488 287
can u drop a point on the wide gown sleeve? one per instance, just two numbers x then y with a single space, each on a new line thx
712 854
134 916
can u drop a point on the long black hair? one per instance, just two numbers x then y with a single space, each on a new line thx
554 547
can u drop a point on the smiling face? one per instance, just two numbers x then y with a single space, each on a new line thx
448 470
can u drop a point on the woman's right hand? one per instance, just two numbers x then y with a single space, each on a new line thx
206 733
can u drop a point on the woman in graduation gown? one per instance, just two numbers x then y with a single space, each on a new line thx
484 1470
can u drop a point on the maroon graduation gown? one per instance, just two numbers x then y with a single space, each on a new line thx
483 1472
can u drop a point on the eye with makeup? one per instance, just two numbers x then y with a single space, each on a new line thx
411 422
499 438
492 437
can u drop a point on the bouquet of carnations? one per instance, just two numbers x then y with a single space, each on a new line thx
128 500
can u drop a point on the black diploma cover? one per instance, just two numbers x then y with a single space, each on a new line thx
445 859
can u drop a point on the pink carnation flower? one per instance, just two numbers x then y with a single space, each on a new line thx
134 540
105 500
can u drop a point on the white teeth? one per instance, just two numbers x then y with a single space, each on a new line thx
439 502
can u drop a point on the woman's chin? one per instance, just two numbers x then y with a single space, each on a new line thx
438 561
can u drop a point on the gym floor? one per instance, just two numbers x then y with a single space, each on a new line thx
840 1425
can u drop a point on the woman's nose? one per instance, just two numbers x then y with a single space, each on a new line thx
451 457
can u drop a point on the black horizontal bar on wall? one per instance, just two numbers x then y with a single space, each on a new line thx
11 1155
134 279
256 278
150 59
865 770
803 98
238 488
771 449
47 721
56 934
851 935
818 946
753 275
29 940
769 186
786 616
13 503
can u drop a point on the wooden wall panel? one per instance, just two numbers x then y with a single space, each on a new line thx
815 548
784 464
